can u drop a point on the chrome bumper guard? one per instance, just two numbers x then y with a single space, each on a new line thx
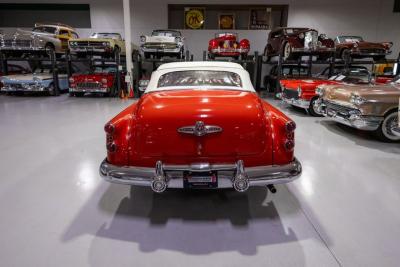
347 116
229 50
229 175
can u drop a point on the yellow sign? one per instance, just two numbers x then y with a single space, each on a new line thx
194 18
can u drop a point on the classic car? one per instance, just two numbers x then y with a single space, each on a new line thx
163 43
292 43
42 37
12 70
302 92
228 45
368 107
356 47
40 81
99 42
100 80
200 125
294 71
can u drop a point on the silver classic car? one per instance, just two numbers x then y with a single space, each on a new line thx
163 43
53 36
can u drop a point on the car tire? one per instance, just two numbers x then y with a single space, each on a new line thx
345 54
71 94
311 110
51 90
79 94
379 58
384 132
49 48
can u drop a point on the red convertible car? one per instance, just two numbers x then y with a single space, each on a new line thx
101 80
200 125
228 45
302 92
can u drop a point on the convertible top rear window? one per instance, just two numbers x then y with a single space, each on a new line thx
200 78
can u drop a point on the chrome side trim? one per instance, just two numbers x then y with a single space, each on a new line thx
257 176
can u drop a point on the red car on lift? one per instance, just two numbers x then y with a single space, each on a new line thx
302 92
101 81
228 45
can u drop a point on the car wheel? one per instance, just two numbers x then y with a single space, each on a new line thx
287 51
379 58
51 90
345 54
49 48
385 131
79 94
313 109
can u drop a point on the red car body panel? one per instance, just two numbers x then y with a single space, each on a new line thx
146 132
228 46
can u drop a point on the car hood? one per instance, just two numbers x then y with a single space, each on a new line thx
240 115
160 39
100 40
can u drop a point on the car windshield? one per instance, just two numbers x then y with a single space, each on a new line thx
353 76
200 78
166 33
294 30
100 35
104 70
45 29
349 39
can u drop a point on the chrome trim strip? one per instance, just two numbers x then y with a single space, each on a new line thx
258 176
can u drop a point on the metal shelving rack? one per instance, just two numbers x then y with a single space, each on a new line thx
37 56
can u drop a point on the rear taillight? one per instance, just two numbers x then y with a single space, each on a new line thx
290 127
109 128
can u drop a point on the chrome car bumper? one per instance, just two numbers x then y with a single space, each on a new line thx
301 103
229 50
161 50
25 88
88 90
229 175
313 50
348 116
90 49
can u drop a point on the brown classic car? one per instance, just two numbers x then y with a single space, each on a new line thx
356 47
295 42
369 107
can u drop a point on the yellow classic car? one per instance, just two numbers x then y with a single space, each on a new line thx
99 42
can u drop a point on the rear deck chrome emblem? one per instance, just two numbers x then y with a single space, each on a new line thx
200 129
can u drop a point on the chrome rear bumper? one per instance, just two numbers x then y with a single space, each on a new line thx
229 175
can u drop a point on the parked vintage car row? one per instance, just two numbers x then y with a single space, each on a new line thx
294 42
353 98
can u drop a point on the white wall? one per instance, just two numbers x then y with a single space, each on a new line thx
372 19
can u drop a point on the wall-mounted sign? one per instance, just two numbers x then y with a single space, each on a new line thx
226 21
260 19
194 18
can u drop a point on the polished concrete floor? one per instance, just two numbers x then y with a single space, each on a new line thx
56 211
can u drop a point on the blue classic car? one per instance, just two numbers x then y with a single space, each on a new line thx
33 82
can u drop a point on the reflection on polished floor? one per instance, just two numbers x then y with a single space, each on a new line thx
56 211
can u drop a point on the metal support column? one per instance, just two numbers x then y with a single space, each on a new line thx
55 72
128 43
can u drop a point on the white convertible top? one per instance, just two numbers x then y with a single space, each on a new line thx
200 65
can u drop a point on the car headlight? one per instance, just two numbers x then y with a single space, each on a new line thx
319 91
301 35
357 100
143 39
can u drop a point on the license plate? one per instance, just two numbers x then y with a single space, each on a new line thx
200 180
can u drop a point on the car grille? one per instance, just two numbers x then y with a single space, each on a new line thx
339 108
88 44
88 85
290 94
161 45
17 43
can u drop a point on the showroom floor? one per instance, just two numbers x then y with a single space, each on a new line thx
56 211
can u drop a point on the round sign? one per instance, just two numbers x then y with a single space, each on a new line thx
194 19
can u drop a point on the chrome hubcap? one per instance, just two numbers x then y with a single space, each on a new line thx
389 124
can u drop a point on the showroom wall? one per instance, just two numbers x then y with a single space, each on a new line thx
372 19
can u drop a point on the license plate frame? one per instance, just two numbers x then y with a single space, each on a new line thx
200 180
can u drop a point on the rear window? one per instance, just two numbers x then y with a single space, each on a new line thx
200 78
